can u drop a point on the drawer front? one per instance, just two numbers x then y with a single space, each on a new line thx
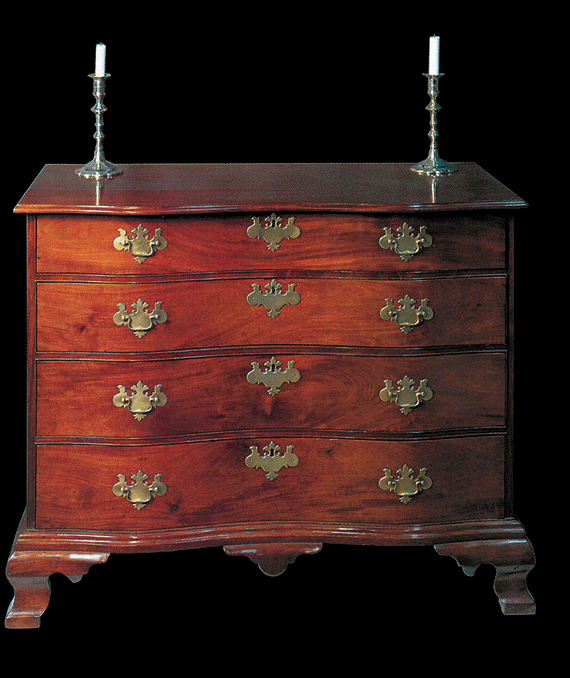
84 244
265 391
220 313
209 483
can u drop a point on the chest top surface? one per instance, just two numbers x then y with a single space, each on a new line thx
343 187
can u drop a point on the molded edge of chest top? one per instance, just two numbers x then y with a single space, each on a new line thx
343 187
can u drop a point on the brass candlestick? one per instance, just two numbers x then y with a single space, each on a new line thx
433 164
99 167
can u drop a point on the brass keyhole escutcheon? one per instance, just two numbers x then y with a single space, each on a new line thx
273 299
273 232
273 460
273 377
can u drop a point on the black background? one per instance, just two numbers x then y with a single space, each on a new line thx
289 84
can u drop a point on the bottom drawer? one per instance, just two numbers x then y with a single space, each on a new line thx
247 480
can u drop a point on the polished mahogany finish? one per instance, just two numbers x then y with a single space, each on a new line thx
335 482
328 242
185 189
332 312
335 392
385 429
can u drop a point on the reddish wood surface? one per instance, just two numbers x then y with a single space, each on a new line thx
176 189
513 560
29 572
336 481
268 532
216 313
273 559
335 392
328 242
200 439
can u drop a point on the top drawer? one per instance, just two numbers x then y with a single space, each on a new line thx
304 241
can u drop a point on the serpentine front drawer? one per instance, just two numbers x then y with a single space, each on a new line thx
330 481
263 391
144 246
252 310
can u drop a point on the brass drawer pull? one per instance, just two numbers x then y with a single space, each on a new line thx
405 397
140 321
140 403
273 233
404 485
407 316
140 492
273 460
273 299
273 377
141 247
407 244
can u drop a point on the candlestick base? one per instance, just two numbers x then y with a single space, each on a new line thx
434 166
97 169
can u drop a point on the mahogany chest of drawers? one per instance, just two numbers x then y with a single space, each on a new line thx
267 358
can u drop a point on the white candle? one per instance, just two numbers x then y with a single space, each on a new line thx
100 60
434 55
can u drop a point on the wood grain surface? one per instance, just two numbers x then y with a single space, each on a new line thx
341 187
216 313
209 484
335 392
328 242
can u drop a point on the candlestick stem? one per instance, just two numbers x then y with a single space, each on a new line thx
99 166
433 164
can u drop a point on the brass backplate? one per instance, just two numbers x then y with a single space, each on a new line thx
407 243
405 396
140 245
140 402
406 315
140 492
140 321
403 485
